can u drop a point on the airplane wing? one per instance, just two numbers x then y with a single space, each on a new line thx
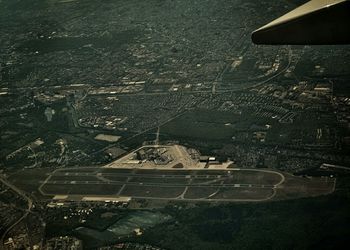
316 22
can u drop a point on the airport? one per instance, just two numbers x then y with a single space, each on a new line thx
128 179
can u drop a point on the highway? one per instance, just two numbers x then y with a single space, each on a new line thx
27 211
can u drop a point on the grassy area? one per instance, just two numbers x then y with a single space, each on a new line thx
314 223
81 189
205 124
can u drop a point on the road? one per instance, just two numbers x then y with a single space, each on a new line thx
27 211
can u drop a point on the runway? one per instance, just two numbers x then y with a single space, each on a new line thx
210 185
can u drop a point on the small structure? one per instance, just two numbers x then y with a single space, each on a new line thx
204 158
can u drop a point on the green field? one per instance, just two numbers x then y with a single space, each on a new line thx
313 223
209 125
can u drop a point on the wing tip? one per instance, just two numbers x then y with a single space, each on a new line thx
322 25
